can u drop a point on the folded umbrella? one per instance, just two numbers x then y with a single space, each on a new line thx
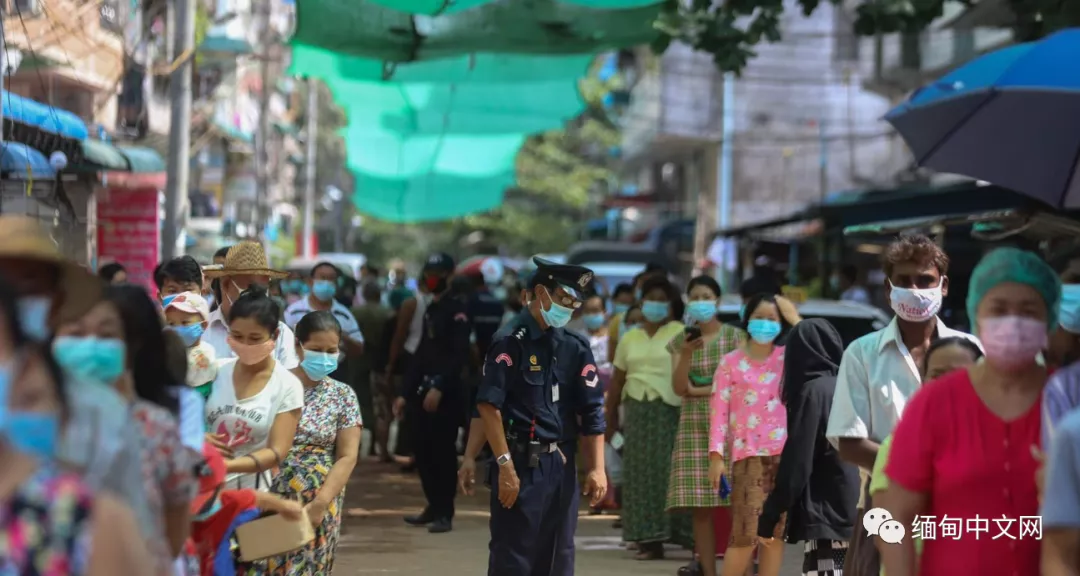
1010 117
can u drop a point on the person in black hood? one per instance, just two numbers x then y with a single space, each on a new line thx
818 491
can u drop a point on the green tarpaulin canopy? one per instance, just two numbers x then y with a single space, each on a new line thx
441 95
364 28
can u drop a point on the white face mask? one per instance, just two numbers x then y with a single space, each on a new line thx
916 304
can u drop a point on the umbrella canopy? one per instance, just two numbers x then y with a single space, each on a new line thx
1011 117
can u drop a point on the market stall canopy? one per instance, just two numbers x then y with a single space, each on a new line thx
433 7
21 162
47 118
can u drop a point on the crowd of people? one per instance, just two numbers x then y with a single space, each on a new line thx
151 429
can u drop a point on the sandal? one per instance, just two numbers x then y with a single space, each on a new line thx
650 551
691 569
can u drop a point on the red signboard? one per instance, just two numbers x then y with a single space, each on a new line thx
128 232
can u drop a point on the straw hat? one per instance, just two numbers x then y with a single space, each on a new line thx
246 258
24 238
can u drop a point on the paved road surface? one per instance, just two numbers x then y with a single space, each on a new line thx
376 541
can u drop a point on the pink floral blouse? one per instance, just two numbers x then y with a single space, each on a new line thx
746 409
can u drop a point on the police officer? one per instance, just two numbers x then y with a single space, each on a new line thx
434 395
533 369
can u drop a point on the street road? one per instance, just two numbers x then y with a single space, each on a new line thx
377 541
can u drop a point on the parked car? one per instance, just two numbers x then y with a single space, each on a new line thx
851 319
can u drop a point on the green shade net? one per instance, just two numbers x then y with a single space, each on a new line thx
539 27
439 105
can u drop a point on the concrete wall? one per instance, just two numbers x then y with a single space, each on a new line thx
800 104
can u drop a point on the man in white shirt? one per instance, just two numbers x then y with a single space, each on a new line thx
324 283
245 265
880 371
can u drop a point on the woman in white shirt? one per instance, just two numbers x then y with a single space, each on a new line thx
255 403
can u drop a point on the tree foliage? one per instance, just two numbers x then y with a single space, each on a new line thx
729 30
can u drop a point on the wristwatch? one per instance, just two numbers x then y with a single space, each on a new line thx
503 460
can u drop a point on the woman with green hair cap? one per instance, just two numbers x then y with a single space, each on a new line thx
964 448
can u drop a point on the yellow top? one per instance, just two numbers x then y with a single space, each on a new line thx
879 483
647 364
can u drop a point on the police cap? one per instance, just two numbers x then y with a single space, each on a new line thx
576 280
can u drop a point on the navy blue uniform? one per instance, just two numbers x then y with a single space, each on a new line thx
438 364
542 381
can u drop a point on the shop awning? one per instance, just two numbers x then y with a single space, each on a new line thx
33 113
102 156
22 162
143 160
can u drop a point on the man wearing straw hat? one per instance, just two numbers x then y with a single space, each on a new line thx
51 288
245 264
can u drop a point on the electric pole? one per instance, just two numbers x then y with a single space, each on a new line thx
176 186
262 137
309 166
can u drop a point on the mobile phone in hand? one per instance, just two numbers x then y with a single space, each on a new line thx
692 333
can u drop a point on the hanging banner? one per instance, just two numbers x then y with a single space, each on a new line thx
128 232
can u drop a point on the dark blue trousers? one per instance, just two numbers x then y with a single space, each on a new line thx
563 564
523 538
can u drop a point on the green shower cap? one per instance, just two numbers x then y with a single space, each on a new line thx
1014 265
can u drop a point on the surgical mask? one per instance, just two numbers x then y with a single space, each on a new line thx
620 308
34 316
763 331
33 433
557 316
323 290
655 311
436 284
1069 311
318 365
214 509
594 321
916 304
701 310
190 333
1012 342
251 354
90 359
95 431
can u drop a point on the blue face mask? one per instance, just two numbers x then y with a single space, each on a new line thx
33 433
34 316
96 360
323 290
620 308
190 333
701 310
558 316
214 509
763 331
1069 315
594 321
318 365
655 311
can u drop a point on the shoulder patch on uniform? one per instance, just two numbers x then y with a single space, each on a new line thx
586 371
461 317
505 359
521 332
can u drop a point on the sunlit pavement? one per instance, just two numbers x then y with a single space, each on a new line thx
377 541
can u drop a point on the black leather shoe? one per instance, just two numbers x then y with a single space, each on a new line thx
422 519
441 526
